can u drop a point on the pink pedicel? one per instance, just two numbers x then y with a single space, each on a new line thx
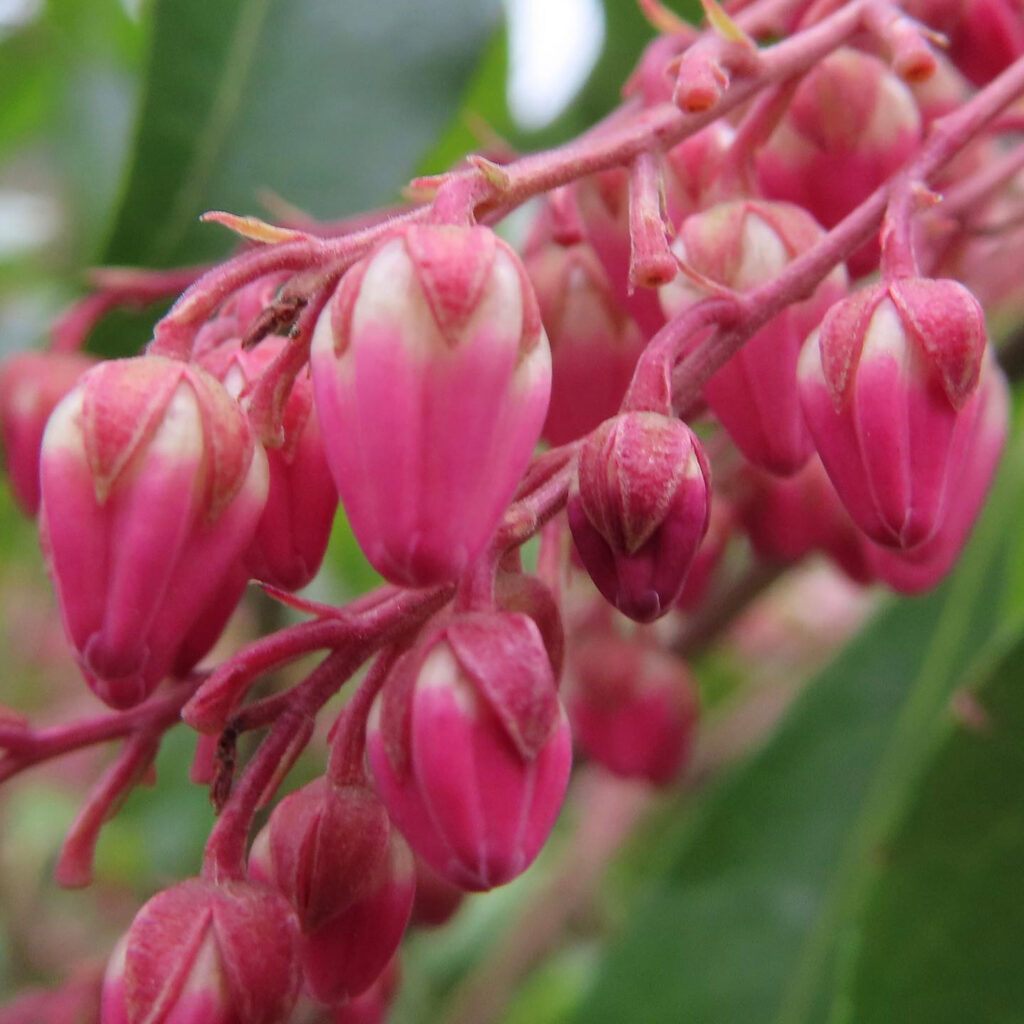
470 750
201 953
638 510
31 385
912 572
152 486
432 376
293 531
633 708
889 390
851 124
743 245
594 344
603 201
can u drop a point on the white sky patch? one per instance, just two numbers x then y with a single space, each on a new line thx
27 221
553 45
15 14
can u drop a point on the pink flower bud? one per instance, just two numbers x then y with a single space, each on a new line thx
344 956
633 708
212 620
31 385
327 847
791 518
152 486
432 376
889 390
296 523
639 509
201 953
594 344
470 749
742 245
851 124
912 572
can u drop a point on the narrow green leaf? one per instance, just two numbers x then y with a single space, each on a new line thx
938 939
329 105
767 876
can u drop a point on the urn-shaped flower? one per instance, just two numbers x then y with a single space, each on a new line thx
293 531
152 486
594 343
470 749
31 385
202 953
889 390
851 124
432 376
330 849
633 707
742 245
639 509
923 567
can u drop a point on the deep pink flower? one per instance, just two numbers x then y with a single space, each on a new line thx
293 531
201 953
742 245
633 707
639 509
911 572
470 749
152 486
432 376
31 385
851 124
594 344
889 389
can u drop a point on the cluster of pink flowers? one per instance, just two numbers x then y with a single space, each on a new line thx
714 340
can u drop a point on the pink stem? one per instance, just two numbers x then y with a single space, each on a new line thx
116 286
27 747
651 262
269 395
912 57
345 764
75 865
211 706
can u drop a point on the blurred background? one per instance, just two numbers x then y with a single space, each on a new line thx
848 845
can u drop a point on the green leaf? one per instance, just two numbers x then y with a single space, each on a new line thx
771 869
939 935
484 108
330 106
